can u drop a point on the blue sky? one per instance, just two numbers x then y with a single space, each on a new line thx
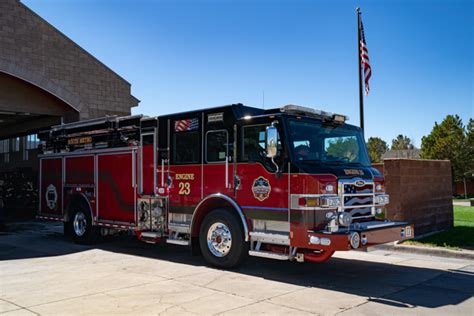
182 55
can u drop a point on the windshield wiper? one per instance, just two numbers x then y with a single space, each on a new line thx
338 162
355 163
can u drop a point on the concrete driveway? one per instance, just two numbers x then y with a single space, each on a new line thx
41 272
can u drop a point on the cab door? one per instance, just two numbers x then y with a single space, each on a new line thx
262 194
185 169
218 166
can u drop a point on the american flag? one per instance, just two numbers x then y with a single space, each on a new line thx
186 125
364 56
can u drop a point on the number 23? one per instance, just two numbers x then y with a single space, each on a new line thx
184 188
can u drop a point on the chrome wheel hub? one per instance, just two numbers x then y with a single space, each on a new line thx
80 224
219 239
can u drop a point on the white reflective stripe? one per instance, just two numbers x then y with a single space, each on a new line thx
226 172
162 172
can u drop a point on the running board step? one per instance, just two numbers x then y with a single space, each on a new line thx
269 255
267 238
150 237
180 242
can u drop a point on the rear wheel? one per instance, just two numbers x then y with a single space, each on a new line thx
221 239
80 226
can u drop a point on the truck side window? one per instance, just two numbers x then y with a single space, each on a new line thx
216 145
253 142
186 147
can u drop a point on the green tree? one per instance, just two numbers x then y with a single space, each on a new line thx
450 140
376 148
470 147
402 142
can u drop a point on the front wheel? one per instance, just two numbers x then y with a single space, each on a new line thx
80 226
221 239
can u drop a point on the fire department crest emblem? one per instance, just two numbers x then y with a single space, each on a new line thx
261 188
51 197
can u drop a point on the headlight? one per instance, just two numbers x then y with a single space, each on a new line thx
329 188
345 219
382 199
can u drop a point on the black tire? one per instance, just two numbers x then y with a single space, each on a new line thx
232 254
80 215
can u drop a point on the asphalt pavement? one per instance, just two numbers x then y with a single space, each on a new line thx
44 273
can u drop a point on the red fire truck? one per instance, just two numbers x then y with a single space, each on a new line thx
291 183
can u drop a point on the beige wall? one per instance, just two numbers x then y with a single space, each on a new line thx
33 50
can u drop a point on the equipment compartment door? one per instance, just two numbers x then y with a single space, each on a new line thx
148 164
51 186
116 187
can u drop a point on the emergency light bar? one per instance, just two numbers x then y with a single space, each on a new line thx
298 109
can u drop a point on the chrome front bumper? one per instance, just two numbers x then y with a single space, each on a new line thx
370 234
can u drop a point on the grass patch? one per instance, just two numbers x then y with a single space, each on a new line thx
461 236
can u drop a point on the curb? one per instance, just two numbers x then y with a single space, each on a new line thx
431 251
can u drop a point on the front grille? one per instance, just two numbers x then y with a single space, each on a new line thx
357 198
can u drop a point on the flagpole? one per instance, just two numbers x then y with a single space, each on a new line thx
361 95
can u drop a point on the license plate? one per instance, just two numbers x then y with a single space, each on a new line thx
408 232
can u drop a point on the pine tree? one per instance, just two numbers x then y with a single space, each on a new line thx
450 140
402 143
376 148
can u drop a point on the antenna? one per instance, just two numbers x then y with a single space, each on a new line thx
263 99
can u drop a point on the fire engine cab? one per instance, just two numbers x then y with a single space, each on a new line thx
291 183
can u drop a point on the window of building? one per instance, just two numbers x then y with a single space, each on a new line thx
217 146
24 146
32 141
186 147
5 150
16 144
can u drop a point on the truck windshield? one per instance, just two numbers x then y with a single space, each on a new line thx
313 141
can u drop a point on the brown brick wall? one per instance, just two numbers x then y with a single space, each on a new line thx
420 192
459 187
35 51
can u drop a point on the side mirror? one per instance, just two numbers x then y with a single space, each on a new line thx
272 139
